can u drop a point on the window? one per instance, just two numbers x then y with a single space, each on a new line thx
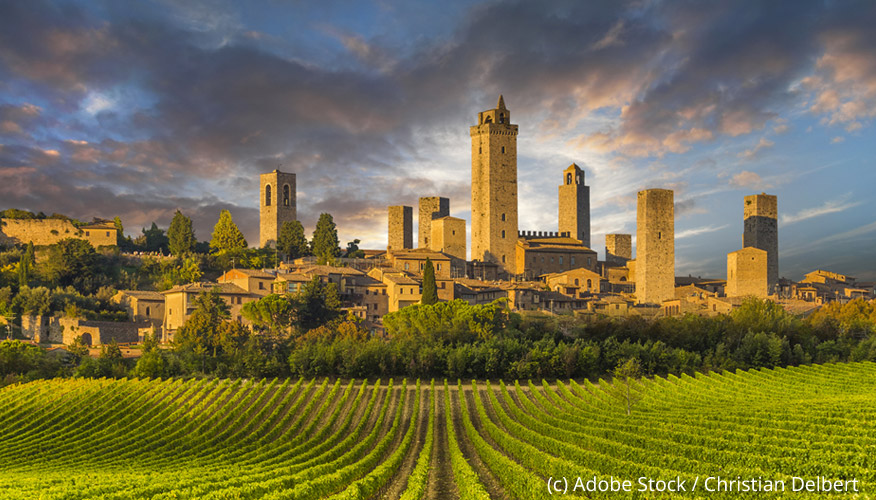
589 284
384 291
576 281
572 260
542 260
401 291
503 149
561 260
569 178
659 235
107 234
501 117
503 217
503 259
148 310
438 266
286 195
503 233
268 195
407 266
87 233
261 285
589 260
480 150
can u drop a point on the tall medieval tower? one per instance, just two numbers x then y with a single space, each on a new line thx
575 205
761 230
277 205
655 246
494 188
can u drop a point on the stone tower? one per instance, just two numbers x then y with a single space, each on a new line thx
431 208
575 205
761 230
401 228
655 246
277 205
618 248
747 273
494 188
448 236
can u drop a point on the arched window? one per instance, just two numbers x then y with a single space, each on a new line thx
268 195
569 178
589 284
501 117
503 233
286 197
503 217
576 281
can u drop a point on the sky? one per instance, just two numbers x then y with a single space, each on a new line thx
139 109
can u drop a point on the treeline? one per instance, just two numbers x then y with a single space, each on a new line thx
308 335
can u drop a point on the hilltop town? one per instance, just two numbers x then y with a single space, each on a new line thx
552 271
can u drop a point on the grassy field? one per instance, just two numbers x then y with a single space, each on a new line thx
211 439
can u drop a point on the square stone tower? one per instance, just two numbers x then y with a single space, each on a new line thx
494 188
431 208
401 228
747 273
655 246
448 236
761 230
277 205
618 248
575 205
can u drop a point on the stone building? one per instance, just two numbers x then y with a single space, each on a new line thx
448 236
494 188
401 228
142 305
50 231
618 249
431 208
577 282
253 281
48 329
747 273
179 302
655 246
539 253
761 230
574 217
278 205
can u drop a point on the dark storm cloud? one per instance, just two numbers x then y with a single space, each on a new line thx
216 109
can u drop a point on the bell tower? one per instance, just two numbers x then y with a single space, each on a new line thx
277 204
575 205
494 188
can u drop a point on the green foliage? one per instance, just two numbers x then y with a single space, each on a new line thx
202 331
353 251
430 288
273 313
454 321
26 265
856 318
291 242
152 240
226 235
630 368
318 304
181 235
19 358
325 239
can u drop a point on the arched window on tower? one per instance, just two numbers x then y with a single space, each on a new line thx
501 117
286 198
268 195
569 178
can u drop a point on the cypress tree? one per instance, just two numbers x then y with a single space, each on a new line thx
325 239
181 235
430 289
292 242
226 234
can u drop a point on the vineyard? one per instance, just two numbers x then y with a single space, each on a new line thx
306 439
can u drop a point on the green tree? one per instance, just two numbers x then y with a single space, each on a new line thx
181 235
153 239
353 251
201 332
226 235
73 262
630 368
292 243
430 289
274 313
26 265
318 304
325 239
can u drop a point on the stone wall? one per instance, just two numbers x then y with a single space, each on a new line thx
431 208
655 246
401 228
47 329
747 273
448 236
618 248
51 231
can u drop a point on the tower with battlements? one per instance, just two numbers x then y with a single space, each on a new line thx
401 228
494 188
